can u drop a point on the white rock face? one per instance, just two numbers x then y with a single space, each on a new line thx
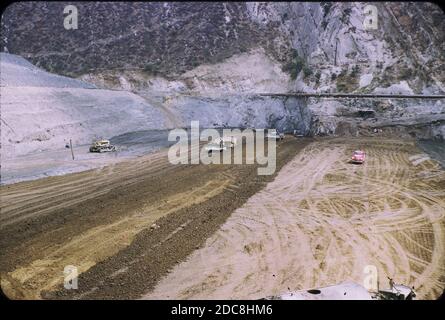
421 118
250 72
332 35
244 73
124 84
18 72
243 112
365 80
398 88
42 111
405 52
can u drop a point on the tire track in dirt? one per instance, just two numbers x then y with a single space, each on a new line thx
321 221
29 201
44 274
84 186
44 197
100 221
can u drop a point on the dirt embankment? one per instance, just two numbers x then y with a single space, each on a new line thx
321 222
101 221
221 232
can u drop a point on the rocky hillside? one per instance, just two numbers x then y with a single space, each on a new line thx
315 46
43 111
166 38
177 62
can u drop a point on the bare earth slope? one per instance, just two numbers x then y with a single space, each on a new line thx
100 221
321 221
43 111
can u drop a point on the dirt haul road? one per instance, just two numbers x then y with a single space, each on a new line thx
123 227
318 223
321 221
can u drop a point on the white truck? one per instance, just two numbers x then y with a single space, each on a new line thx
221 144
275 135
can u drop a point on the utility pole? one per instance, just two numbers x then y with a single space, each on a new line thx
71 147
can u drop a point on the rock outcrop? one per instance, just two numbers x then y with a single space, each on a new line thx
322 46
177 62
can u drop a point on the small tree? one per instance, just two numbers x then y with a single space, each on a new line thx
295 65
307 71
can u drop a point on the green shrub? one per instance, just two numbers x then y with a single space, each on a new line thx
347 82
149 68
406 74
345 15
342 87
355 70
307 71
326 8
324 24
295 66
317 77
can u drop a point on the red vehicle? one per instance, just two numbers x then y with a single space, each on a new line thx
358 156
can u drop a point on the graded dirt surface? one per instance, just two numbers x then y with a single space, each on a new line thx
124 226
322 221
147 229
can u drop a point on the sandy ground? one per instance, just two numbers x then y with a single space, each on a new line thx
222 231
55 162
101 222
321 221
59 161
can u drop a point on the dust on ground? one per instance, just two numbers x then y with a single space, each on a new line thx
123 226
321 221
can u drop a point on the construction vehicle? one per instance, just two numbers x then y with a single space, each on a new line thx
102 146
275 135
228 141
212 147
221 144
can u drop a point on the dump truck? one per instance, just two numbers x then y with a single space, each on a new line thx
102 145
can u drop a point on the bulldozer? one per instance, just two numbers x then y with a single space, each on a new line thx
102 146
